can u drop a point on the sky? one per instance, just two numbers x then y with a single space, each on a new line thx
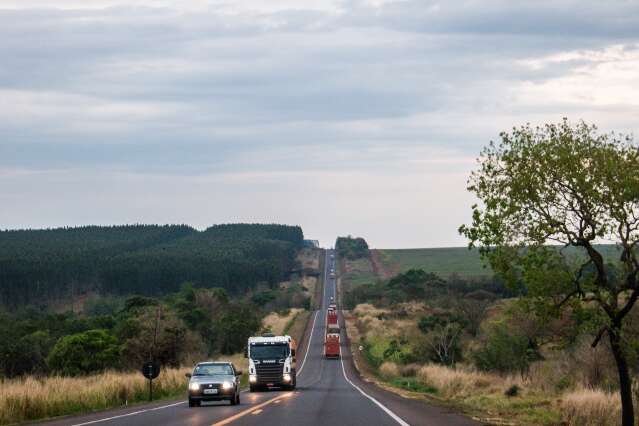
360 117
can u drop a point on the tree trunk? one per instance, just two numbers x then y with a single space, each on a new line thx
625 382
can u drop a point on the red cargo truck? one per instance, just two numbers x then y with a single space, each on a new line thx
331 319
331 345
331 341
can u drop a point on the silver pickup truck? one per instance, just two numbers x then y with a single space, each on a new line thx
214 381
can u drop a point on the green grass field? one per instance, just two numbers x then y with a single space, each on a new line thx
442 261
361 272
445 261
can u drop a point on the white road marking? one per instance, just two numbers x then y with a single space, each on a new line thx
309 344
129 414
379 404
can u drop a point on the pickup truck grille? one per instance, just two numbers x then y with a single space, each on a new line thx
269 373
209 386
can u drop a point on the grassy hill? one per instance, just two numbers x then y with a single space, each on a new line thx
448 260
442 261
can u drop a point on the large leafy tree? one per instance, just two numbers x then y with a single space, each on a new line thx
548 196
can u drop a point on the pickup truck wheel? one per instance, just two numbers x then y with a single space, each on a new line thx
238 398
193 403
253 388
233 400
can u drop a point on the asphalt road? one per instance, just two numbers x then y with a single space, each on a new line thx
329 392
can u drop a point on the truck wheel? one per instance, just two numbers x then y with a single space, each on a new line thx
233 400
253 388
193 403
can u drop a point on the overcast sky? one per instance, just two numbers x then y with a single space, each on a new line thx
344 117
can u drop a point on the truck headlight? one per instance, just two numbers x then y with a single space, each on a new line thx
252 378
287 377
194 386
227 385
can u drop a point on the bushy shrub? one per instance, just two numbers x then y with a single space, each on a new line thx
83 353
504 351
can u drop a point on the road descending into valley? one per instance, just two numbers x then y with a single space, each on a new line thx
329 392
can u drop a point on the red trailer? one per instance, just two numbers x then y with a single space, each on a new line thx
331 319
331 345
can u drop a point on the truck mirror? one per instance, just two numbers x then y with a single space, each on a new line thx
292 352
188 375
238 373
245 352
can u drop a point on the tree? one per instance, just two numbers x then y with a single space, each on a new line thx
88 352
572 186
506 351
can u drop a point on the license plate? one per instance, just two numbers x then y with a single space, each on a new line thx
210 391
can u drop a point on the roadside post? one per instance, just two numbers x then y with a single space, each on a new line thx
151 370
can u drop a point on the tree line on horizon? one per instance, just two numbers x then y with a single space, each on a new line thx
37 266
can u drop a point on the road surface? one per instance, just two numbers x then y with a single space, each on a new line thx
329 392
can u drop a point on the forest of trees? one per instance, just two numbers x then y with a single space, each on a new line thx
122 333
37 266
351 248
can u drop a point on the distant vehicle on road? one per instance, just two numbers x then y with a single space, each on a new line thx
331 339
271 362
214 381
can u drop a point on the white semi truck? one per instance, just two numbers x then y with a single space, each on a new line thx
271 362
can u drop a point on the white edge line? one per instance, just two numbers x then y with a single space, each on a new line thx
308 346
379 404
129 414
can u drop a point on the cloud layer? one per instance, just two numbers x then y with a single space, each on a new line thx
357 117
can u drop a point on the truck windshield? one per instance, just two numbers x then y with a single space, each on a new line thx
269 351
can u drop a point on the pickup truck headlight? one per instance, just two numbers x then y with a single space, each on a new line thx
227 385
252 378
287 377
194 386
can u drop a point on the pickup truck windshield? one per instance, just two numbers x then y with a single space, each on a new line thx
269 351
213 370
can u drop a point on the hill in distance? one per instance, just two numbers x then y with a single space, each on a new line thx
446 261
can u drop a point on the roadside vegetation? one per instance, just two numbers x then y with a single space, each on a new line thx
32 398
554 338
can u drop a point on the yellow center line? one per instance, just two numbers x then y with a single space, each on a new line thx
252 409
256 412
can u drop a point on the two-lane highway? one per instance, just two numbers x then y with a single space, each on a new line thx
329 391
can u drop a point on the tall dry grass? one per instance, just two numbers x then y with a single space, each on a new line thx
591 407
389 370
277 323
31 398
460 383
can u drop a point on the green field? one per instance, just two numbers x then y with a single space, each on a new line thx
360 272
442 261
445 261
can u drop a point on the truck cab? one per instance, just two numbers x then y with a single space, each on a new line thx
271 362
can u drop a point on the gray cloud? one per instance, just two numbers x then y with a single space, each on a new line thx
176 90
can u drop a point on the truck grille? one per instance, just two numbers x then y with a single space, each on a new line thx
269 373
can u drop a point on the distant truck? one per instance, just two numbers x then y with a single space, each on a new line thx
332 339
271 362
331 345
